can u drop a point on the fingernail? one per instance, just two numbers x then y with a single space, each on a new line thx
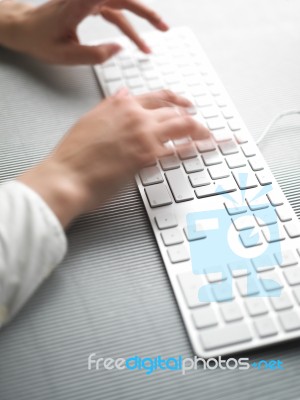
164 26
146 49
116 48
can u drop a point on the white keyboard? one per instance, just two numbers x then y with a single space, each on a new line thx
229 239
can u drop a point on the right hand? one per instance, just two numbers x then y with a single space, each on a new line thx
108 146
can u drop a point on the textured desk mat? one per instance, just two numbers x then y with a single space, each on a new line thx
111 295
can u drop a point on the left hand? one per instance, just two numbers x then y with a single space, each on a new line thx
48 32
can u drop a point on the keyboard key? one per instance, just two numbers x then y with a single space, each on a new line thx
214 277
107 64
271 281
247 286
231 311
241 137
264 178
249 150
204 318
292 229
256 306
169 162
177 88
286 258
234 124
193 165
209 112
112 74
292 275
258 204
266 217
244 222
234 209
158 195
281 303
215 123
235 161
273 233
187 152
232 334
240 268
126 63
284 213
185 141
203 101
221 101
263 263
113 87
172 236
135 82
275 198
244 179
190 284
226 185
214 89
251 238
192 233
151 176
198 90
199 179
256 163
168 69
131 73
265 327
165 221
227 112
205 145
218 172
178 253
228 148
211 158
290 320
222 291
155 84
171 78
222 135
179 185
193 80
296 292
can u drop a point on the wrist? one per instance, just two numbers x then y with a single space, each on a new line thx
13 17
59 188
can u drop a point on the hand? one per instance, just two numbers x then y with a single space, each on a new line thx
107 147
48 32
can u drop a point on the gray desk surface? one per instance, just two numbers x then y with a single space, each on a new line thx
111 295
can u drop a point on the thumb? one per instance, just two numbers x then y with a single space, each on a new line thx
80 54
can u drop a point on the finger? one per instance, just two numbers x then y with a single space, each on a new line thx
141 10
180 127
162 98
79 54
166 113
123 92
116 17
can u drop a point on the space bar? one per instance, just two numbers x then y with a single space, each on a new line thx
229 335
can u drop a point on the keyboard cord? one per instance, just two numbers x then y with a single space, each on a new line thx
273 122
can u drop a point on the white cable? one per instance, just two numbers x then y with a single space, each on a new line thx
273 122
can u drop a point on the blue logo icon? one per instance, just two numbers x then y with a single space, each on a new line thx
242 238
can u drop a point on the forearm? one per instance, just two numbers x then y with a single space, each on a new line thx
12 23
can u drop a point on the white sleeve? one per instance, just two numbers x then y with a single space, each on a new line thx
32 244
